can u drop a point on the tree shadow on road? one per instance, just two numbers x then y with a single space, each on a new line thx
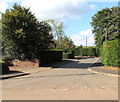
61 75
72 64
13 72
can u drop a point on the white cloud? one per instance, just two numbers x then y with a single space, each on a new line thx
102 0
58 8
80 38
3 6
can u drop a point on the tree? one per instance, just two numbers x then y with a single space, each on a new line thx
23 35
105 25
61 41
57 31
67 44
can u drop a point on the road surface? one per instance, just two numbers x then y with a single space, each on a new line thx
68 81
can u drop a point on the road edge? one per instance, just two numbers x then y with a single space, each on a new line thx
107 74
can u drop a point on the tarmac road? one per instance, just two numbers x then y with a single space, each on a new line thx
66 81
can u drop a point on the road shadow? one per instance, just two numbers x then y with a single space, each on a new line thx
70 63
64 61
61 75
73 64
12 72
98 64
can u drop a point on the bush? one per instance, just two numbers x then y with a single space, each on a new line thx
69 55
77 51
92 51
85 52
47 57
97 51
65 55
4 69
89 51
110 53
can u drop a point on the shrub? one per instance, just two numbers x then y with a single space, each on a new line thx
98 51
4 69
110 53
47 57
89 51
85 52
77 51
92 51
68 55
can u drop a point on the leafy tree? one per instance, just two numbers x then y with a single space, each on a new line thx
67 44
105 25
23 35
57 31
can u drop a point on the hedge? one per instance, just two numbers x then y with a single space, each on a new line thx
4 69
86 51
68 55
110 53
47 57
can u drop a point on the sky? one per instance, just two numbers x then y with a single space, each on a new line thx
76 14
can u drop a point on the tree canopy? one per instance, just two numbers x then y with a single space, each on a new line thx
61 41
105 25
67 44
23 35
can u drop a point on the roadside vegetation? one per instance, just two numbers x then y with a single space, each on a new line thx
106 31
24 37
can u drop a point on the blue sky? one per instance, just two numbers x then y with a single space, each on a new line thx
76 14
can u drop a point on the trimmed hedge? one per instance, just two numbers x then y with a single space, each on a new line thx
97 52
110 53
89 51
4 69
47 57
68 56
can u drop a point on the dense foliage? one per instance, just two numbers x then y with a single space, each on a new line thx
22 34
106 31
105 25
110 53
50 56
85 51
